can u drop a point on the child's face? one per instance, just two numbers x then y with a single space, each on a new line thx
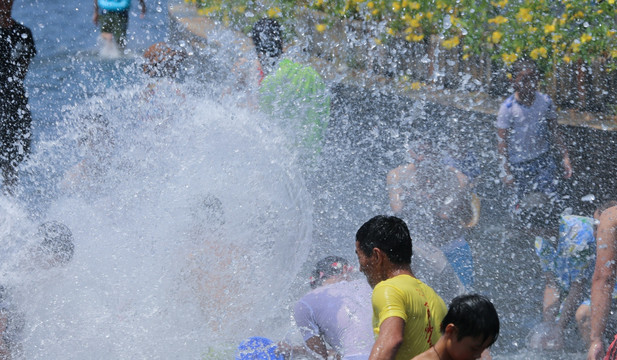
467 348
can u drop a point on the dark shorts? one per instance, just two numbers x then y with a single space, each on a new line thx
536 175
115 23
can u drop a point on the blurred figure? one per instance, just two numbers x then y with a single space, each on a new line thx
437 200
55 248
406 312
527 130
95 144
568 267
335 317
114 19
293 93
469 328
16 51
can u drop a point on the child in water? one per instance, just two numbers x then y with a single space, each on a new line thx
470 327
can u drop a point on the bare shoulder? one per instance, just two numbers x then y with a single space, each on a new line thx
427 355
609 217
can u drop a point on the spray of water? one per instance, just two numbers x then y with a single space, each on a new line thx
190 222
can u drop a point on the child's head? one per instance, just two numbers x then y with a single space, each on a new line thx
56 247
525 75
161 60
471 325
268 38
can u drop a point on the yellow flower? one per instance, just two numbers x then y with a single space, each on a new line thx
414 23
319 2
567 59
585 38
549 28
414 5
451 43
375 11
429 15
509 58
500 4
274 12
414 37
405 3
538 53
557 37
370 4
579 15
396 6
321 27
509 76
614 54
466 56
610 33
576 46
440 4
611 2
377 41
416 85
496 37
390 31
524 15
498 20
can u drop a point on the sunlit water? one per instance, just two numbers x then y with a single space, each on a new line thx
193 221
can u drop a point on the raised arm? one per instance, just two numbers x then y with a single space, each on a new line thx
563 150
603 280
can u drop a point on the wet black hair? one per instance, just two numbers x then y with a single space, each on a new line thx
389 234
473 315
57 240
267 37
326 267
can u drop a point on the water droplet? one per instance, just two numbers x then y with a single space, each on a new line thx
589 198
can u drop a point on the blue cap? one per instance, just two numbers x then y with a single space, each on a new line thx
258 348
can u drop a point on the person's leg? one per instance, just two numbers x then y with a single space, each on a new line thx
458 253
121 22
583 321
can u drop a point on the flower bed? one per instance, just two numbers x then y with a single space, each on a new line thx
574 42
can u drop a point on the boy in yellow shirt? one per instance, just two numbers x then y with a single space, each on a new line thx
406 312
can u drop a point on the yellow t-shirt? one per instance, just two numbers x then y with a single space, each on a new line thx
415 302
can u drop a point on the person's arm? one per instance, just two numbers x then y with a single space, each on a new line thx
95 16
563 150
394 190
603 280
389 340
570 304
502 150
142 6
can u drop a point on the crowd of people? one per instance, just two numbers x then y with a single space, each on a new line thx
393 313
